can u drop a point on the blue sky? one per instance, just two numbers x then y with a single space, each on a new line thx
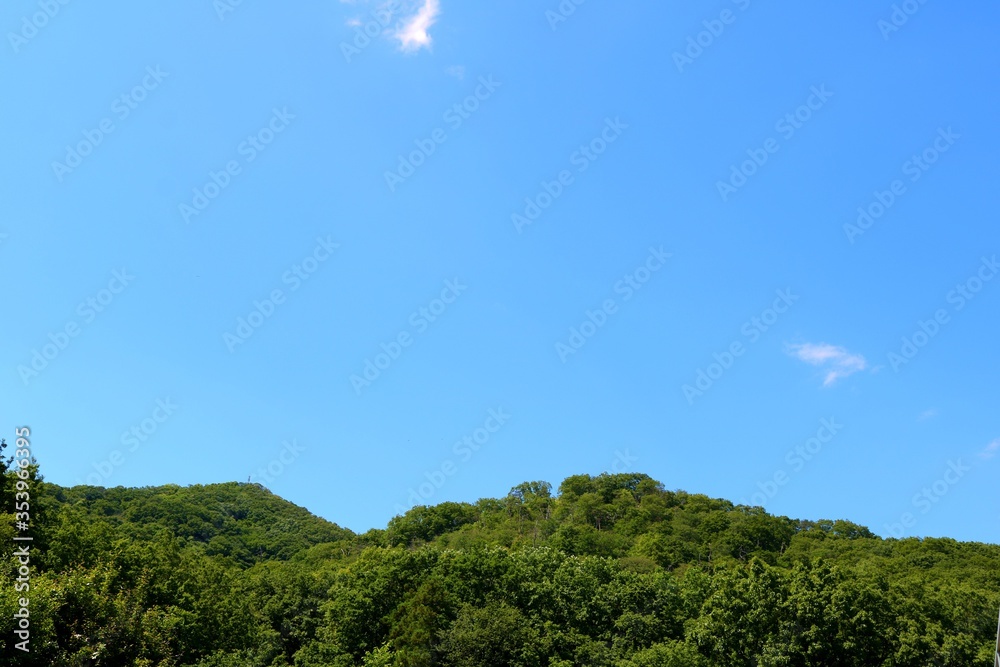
747 249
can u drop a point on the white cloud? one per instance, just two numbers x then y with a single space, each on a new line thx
927 414
413 35
990 450
837 361
413 20
456 71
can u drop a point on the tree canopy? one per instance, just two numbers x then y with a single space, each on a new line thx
610 570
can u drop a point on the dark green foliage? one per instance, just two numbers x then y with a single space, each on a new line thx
497 634
614 571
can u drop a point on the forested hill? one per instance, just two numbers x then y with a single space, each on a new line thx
242 521
606 571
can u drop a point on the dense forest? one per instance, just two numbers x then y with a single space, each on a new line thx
612 570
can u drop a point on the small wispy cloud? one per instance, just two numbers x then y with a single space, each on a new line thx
837 361
990 450
457 71
413 35
412 18
927 414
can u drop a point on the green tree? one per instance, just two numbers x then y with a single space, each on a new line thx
496 635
